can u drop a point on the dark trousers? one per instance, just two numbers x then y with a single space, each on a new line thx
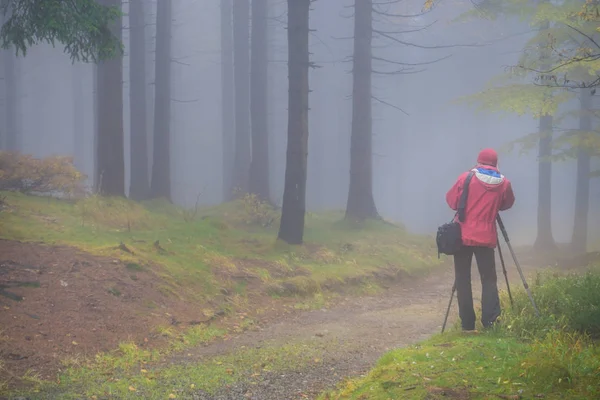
490 302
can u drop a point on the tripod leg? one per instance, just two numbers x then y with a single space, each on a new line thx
448 309
505 274
514 256
525 285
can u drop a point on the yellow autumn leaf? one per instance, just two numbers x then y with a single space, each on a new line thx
132 389
428 5
172 396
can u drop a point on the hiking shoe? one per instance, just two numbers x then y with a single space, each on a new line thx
492 325
470 331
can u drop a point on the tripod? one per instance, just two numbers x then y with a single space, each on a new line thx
512 252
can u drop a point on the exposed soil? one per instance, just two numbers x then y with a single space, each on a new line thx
57 302
351 335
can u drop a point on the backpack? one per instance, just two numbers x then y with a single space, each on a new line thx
449 235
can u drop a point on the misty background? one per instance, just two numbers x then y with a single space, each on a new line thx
422 138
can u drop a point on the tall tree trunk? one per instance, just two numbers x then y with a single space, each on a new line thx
139 184
545 239
291 229
161 166
360 204
582 190
150 18
13 142
12 139
227 98
274 100
259 167
3 100
95 173
110 145
241 55
79 153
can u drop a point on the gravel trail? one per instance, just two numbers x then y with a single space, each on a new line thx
349 336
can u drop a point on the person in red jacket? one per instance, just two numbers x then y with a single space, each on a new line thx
489 193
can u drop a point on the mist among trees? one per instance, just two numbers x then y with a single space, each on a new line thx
368 106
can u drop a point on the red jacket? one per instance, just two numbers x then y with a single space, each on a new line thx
489 193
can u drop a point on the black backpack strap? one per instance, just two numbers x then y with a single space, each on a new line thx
462 204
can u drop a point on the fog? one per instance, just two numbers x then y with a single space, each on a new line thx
422 138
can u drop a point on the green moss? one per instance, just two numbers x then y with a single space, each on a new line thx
189 252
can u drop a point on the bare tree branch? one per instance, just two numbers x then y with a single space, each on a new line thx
583 34
422 46
392 15
387 3
411 64
185 101
568 85
402 71
389 104
174 60
411 30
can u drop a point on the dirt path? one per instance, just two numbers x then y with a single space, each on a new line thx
74 308
351 336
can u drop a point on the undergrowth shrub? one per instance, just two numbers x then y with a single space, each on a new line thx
566 302
563 360
563 355
51 175
257 211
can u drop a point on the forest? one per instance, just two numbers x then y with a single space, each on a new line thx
193 193
146 80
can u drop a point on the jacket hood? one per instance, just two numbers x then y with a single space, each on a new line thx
491 178
488 157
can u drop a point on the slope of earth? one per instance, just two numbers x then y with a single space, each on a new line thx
346 340
300 354
160 272
58 303
295 357
93 275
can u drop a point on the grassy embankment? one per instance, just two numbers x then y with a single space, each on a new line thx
556 356
199 255
223 247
